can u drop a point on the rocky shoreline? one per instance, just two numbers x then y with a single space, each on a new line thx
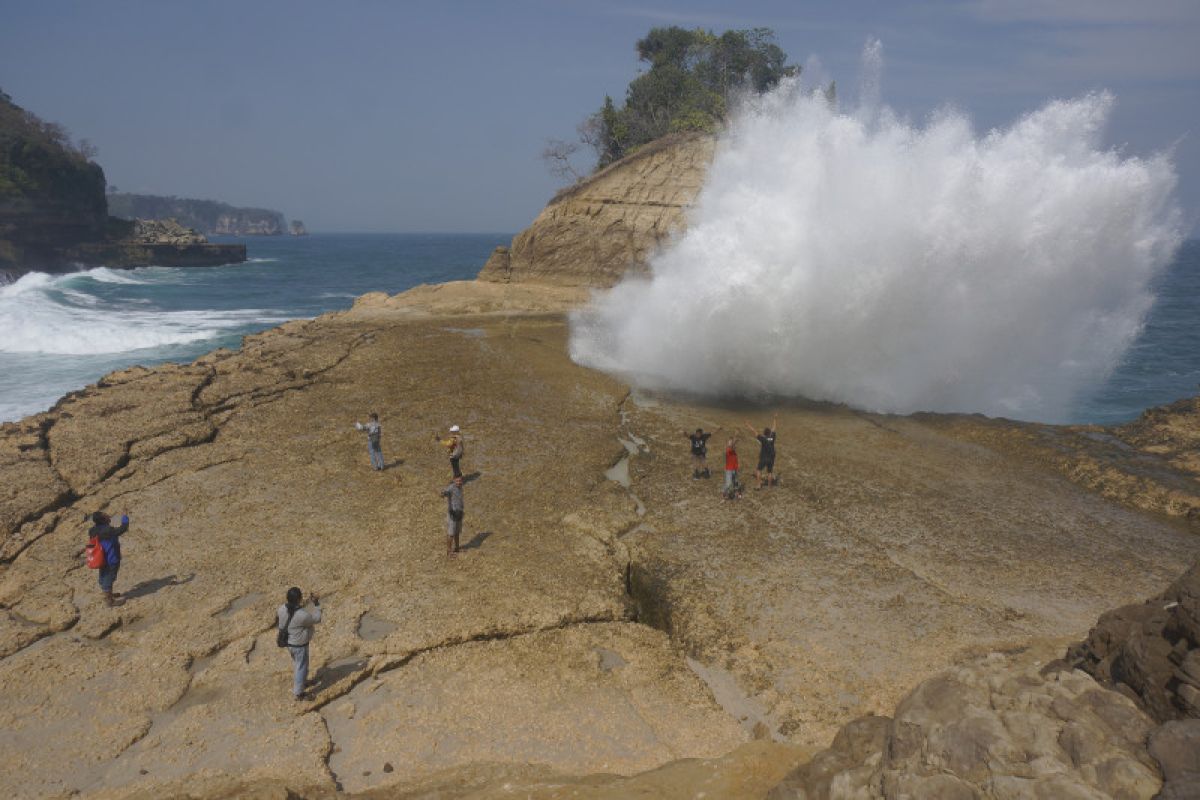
591 628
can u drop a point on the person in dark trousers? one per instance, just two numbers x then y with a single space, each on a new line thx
699 441
374 435
110 541
298 621
765 473
454 446
454 514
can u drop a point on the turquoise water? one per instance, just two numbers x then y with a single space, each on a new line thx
61 332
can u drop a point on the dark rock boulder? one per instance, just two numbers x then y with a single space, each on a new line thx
1150 651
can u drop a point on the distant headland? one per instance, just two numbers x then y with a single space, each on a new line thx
54 214
210 217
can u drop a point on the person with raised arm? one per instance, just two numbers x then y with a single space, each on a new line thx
109 539
699 441
296 624
374 436
765 473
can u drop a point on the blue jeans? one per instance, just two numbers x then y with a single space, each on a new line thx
107 575
299 668
376 453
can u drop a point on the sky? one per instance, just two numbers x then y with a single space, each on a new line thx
365 115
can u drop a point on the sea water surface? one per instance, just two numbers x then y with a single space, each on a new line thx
59 333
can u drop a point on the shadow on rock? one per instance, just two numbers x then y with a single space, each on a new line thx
336 670
476 541
151 586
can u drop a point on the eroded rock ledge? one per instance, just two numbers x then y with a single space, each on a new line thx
592 631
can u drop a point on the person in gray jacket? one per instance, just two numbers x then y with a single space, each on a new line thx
374 436
299 621
454 514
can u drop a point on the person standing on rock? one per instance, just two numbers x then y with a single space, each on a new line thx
110 542
454 446
454 514
374 436
765 473
732 489
296 622
699 441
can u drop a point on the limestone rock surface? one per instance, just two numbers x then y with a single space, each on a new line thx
611 629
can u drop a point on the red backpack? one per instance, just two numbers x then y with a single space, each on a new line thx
95 553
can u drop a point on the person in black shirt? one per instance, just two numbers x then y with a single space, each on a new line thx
699 441
765 473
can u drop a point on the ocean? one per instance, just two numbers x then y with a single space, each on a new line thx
60 332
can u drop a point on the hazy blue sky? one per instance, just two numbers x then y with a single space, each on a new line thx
429 116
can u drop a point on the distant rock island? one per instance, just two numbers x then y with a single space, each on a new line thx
210 217
54 214
298 228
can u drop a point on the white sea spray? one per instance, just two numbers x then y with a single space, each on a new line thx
857 257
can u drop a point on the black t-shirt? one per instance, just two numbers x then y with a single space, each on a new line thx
767 443
699 443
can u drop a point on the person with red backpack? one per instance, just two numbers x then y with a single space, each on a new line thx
104 546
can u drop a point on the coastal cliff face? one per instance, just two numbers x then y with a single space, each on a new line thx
610 223
207 216
51 196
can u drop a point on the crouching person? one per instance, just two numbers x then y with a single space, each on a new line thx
295 632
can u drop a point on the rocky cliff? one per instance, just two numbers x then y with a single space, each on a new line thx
54 216
207 216
51 194
611 222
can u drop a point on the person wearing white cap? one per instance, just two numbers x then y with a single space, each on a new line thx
454 445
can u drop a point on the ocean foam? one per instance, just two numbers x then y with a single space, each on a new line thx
42 313
859 258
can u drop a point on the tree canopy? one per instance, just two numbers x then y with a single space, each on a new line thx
687 87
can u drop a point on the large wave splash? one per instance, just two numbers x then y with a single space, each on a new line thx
69 314
859 258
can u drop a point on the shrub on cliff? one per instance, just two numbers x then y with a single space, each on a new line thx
692 75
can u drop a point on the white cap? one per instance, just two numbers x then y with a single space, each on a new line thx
454 429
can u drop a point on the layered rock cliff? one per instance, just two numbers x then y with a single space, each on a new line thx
610 223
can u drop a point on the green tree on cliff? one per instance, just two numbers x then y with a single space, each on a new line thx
688 86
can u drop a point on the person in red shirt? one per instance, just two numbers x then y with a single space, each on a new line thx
732 489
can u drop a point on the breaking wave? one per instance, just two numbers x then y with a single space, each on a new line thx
856 257
70 315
